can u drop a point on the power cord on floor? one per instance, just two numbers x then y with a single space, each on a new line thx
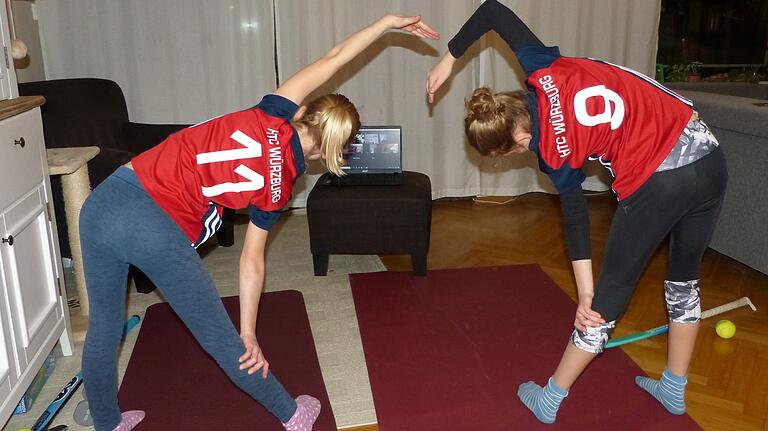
488 199
483 200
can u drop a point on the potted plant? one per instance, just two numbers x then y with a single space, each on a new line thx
692 71
675 73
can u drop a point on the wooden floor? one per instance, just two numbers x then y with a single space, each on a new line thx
728 380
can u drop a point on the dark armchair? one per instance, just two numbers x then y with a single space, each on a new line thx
92 112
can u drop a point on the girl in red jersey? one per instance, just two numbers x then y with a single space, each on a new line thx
669 179
153 212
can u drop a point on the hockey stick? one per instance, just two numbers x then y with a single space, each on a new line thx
615 342
69 389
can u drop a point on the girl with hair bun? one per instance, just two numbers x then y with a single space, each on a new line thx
669 179
154 212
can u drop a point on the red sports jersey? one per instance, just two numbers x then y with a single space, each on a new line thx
592 109
236 160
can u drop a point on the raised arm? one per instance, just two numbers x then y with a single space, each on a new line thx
491 15
308 79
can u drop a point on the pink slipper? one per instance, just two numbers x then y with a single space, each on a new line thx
307 411
130 420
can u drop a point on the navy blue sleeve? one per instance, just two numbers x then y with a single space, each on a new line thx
492 15
263 219
565 178
278 106
532 58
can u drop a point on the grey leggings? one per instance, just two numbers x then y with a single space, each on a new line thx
683 203
121 225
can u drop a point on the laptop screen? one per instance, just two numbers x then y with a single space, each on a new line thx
375 149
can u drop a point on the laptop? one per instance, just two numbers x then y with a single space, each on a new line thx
372 158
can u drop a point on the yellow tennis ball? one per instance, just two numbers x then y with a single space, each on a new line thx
725 328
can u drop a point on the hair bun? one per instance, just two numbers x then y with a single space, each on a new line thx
482 105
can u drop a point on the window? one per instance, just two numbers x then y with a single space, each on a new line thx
713 32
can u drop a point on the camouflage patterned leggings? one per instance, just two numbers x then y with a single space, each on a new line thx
683 203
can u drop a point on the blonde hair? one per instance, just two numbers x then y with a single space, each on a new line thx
491 119
331 120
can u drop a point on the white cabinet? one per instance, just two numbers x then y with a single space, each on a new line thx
8 369
33 306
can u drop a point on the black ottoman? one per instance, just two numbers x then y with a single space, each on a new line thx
371 220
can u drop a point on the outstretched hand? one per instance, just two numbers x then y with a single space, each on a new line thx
438 75
413 25
585 316
253 358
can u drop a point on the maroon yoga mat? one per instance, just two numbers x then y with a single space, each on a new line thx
448 351
182 388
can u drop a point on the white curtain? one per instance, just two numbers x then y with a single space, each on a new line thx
386 82
188 60
177 61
